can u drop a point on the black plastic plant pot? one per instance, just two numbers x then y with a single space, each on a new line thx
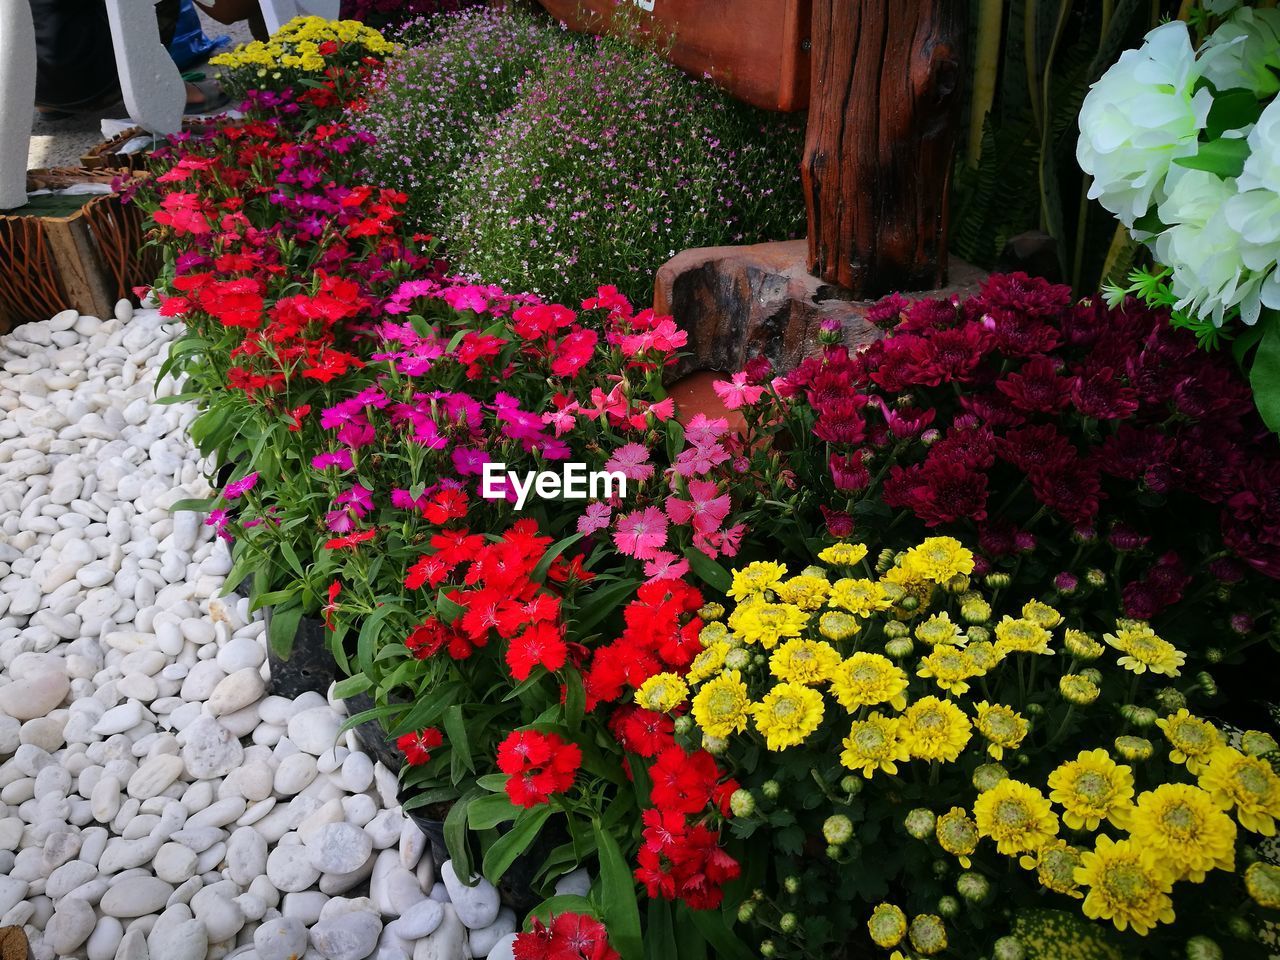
434 832
309 665
371 734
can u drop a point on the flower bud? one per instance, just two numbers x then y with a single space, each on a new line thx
948 906
1213 655
1093 675
908 603
711 611
683 725
899 648
788 922
829 332
767 949
771 789
1066 583
887 925
746 910
920 823
1134 748
759 659
1256 742
988 775
997 581
895 629
1140 717
714 745
957 584
852 785
739 658
975 611
930 437
1203 948
1095 578
1207 683
928 934
1077 689
791 884
835 852
1082 646
884 561
1239 928
1242 623
978 634
837 828
1008 948
742 803
1034 709
1262 880
1170 699
974 887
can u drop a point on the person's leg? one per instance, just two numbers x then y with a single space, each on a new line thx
75 61
233 11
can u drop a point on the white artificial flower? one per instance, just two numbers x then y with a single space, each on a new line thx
1254 213
1201 248
1139 117
1249 45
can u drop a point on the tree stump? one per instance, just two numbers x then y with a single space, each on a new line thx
885 96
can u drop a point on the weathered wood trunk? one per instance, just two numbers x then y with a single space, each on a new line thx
885 97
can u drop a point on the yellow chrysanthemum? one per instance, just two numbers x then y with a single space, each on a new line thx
1092 788
950 668
838 625
708 662
1262 880
867 679
1257 742
720 708
874 744
938 630
1192 740
805 591
935 729
984 655
1041 613
1144 650
755 579
938 559
759 621
1016 816
787 714
662 692
1134 749
804 661
1247 784
843 554
1082 646
1021 636
957 834
861 597
1124 886
1002 727
887 925
1055 863
900 582
1185 830
715 632
1078 689
928 934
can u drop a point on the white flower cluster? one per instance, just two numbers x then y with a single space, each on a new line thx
1220 236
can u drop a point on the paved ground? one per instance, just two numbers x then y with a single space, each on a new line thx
56 143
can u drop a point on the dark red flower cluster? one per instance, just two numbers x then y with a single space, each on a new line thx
661 634
570 936
537 765
1019 408
492 590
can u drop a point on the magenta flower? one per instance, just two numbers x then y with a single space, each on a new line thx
596 517
641 533
666 566
359 499
704 512
631 460
240 487
702 431
737 392
339 458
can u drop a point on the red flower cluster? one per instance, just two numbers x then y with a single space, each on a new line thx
537 765
682 860
660 635
495 593
417 747
570 936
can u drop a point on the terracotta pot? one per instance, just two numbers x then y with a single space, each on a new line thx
758 50
696 394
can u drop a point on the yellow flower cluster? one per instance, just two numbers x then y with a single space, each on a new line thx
297 46
915 666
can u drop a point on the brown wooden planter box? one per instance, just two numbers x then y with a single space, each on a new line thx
87 260
757 50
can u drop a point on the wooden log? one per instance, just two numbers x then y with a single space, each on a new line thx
885 99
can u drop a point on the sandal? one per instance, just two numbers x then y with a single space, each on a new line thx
214 97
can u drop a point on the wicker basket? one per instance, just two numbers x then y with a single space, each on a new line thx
107 155
86 260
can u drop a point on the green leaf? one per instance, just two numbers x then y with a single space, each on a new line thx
1245 342
1231 110
1264 375
618 901
710 572
455 728
194 504
448 610
485 813
499 857
675 439
292 559
716 928
575 699
493 782
540 571
368 632
283 628
601 603
562 903
1223 158
350 686
455 837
